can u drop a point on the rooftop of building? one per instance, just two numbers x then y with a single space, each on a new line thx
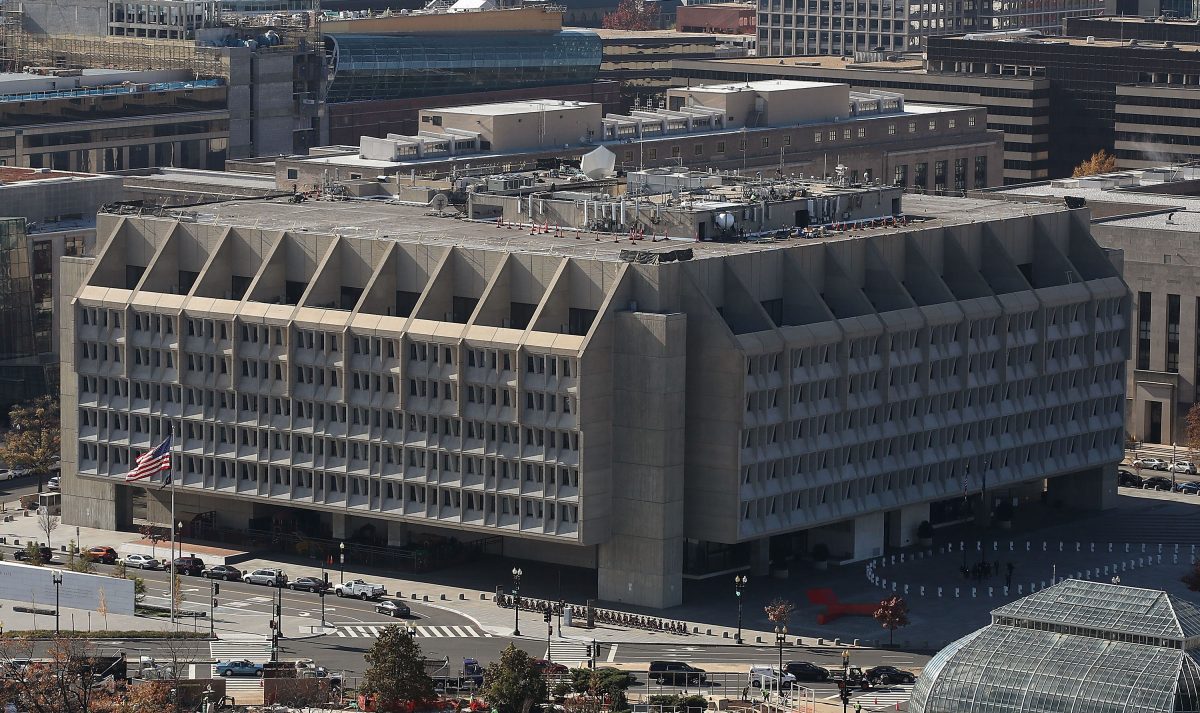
514 107
1109 608
192 177
1035 37
607 34
1165 198
14 174
386 220
760 85
902 64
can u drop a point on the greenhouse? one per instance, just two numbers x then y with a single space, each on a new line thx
1075 646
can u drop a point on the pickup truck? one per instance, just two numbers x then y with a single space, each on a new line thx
362 590
239 668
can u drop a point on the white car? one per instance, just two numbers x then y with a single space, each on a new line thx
767 676
1183 466
142 562
266 577
1151 463
52 484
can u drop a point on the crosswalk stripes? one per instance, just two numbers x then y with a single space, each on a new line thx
257 650
884 698
422 632
568 652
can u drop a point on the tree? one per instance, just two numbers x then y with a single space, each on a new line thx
632 15
33 554
34 441
47 523
139 590
1100 162
512 684
395 672
892 614
58 681
779 611
177 591
102 606
1192 579
1191 432
152 533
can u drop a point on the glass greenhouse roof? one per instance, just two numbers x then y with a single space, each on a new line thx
1107 607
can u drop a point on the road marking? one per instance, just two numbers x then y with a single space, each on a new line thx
458 630
612 653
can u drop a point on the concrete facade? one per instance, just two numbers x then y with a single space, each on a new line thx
588 409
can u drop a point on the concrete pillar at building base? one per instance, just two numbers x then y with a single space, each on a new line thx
90 503
868 536
644 572
1091 489
760 557
338 522
397 533
905 522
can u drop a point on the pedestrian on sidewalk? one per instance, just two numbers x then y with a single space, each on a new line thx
746 693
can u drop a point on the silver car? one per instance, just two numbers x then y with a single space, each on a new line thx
267 577
142 562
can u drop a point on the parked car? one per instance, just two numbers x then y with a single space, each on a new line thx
52 484
267 577
12 473
1128 479
222 571
1158 482
239 668
362 590
549 668
392 608
473 672
190 566
768 676
142 562
806 671
102 554
676 673
1151 463
308 584
1183 466
47 554
1189 488
888 675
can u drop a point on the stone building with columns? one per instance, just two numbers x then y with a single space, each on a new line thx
653 411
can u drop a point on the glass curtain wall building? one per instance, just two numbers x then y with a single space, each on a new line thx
22 375
374 67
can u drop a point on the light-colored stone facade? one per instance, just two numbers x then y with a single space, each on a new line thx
588 410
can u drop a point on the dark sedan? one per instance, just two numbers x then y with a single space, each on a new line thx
308 584
806 671
1158 482
1188 488
223 571
888 675
1128 479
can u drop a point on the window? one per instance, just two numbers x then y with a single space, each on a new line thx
653 154
932 125
912 127
939 175
293 174
981 172
675 152
846 134
833 135
921 176
816 137
720 147
766 142
901 177
960 174
891 129
970 121
787 140
1173 333
950 123
862 132
1143 352
698 149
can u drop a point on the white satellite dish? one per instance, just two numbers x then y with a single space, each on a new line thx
598 163
724 221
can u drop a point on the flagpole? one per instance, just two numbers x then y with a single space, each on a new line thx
171 583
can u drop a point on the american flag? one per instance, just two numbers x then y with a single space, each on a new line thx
152 462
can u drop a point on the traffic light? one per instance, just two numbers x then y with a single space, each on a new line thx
845 695
216 589
546 616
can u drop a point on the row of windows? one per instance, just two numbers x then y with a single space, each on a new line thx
850 490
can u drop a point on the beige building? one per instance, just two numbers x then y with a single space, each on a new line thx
670 412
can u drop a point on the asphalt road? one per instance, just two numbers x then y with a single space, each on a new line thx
16 488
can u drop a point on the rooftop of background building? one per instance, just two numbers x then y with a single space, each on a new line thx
1034 37
13 174
1165 198
904 64
513 107
760 85
409 223
607 34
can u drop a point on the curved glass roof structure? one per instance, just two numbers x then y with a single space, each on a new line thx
1079 647
372 67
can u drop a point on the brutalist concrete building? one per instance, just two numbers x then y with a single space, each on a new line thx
654 410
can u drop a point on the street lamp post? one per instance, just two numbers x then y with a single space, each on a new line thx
57 579
780 640
516 575
342 562
739 584
179 536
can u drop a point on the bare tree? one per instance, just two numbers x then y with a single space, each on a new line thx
47 523
102 606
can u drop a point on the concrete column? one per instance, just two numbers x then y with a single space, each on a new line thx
339 526
642 561
868 536
907 520
760 557
1092 489
397 533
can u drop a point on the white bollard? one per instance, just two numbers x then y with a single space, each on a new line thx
1143 547
922 590
1126 547
1027 545
989 591
1176 548
1105 570
1043 545
1076 546
893 559
1010 546
995 546
939 592
1160 548
1160 559
906 589
1043 584
972 592
902 558
1093 548
1110 547
962 546
1174 559
1088 574
893 587
978 546
956 592
1060 549
1020 590
1006 590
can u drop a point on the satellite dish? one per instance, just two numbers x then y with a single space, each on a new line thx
724 221
598 163
439 202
